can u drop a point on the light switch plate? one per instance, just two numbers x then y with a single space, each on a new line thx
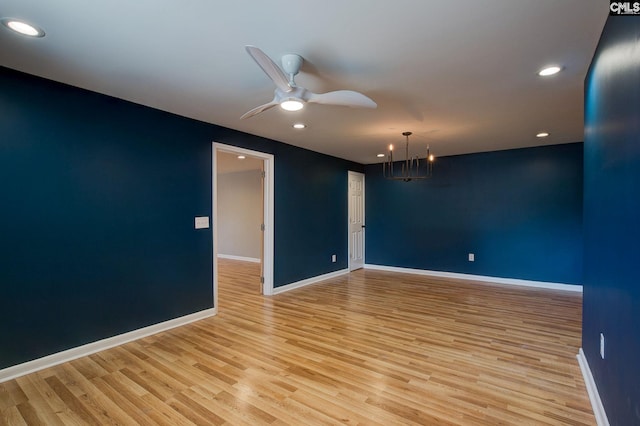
202 222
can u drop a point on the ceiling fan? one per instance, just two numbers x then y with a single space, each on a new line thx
292 97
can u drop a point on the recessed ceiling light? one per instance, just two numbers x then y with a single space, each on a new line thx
542 135
22 27
291 104
241 157
299 126
549 71
380 155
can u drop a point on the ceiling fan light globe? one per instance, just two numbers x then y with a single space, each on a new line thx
290 104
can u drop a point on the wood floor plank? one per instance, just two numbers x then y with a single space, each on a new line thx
37 407
11 416
136 415
367 348
163 413
52 400
196 412
30 415
71 401
11 395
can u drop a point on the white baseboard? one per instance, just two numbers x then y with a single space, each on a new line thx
243 258
592 390
91 348
494 280
309 281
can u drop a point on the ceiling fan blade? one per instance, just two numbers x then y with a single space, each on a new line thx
270 68
342 97
258 110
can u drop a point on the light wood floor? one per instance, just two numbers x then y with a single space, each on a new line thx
369 348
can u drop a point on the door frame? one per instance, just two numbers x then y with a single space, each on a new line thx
364 216
267 211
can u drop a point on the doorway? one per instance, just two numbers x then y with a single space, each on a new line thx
265 256
356 220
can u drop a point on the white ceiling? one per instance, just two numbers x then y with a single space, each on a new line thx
230 163
460 75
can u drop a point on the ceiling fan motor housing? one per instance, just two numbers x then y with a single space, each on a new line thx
291 64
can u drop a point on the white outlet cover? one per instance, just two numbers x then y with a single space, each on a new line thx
472 257
202 222
601 345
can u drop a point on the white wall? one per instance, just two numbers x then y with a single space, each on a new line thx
240 213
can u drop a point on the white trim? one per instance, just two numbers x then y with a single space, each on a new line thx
100 345
309 281
242 258
494 280
268 212
592 390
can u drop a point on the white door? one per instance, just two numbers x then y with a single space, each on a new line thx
356 220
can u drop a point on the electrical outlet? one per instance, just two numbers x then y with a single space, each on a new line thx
333 258
472 257
601 345
202 222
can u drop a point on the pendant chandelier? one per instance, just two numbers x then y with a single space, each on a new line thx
409 169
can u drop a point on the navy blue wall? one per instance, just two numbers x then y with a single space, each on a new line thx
518 211
311 214
612 219
98 198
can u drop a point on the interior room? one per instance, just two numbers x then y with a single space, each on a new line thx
240 215
434 220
